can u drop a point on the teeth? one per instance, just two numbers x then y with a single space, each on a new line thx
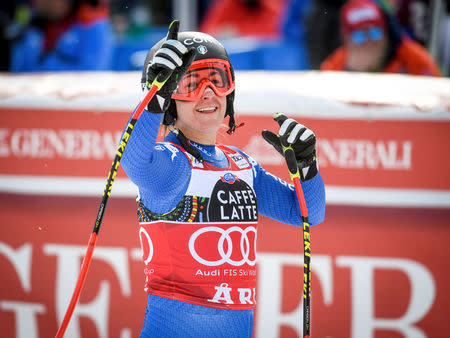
206 109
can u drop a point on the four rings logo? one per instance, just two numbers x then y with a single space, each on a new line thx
225 257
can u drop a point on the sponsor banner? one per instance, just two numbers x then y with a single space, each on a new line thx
352 153
376 272
367 153
59 142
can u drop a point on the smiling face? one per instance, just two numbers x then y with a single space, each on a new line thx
200 120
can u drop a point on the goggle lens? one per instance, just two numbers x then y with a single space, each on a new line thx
192 80
215 74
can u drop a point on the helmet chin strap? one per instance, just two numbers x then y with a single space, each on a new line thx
230 113
231 125
184 142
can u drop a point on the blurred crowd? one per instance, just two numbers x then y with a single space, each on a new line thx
395 36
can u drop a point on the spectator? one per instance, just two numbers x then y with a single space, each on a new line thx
14 15
414 17
65 35
372 42
293 25
244 18
321 25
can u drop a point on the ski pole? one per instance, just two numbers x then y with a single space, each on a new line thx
294 172
156 85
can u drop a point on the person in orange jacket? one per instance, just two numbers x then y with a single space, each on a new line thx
372 42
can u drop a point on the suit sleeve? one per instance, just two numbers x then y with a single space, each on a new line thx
278 200
161 171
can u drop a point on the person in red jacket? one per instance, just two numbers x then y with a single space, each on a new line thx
372 42
243 18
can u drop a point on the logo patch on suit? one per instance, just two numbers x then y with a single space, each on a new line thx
232 200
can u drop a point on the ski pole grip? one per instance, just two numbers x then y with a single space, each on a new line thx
159 81
291 162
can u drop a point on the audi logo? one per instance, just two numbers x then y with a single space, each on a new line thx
150 246
225 236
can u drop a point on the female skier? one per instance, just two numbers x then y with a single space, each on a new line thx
198 201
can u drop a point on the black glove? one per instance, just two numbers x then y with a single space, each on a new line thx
169 63
301 139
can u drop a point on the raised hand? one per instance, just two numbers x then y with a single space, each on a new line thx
166 63
302 141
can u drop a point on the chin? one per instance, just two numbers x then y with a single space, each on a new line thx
209 128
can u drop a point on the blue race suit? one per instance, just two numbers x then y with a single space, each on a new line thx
163 175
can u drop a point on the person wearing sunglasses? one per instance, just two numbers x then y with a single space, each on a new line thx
372 42
199 201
